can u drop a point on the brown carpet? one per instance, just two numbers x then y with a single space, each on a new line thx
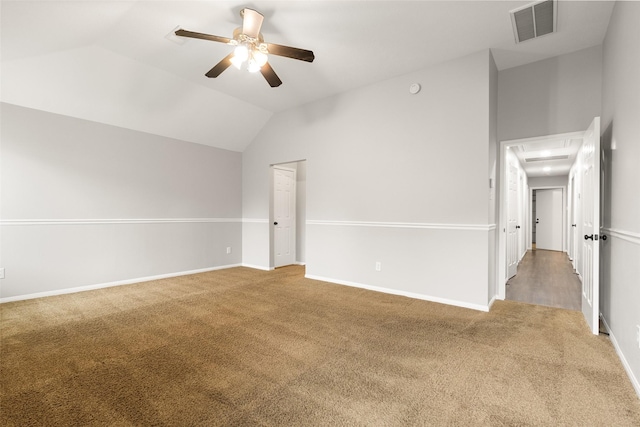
245 347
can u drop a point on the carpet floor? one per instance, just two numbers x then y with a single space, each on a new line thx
242 347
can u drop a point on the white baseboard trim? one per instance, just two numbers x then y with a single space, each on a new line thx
111 284
634 380
402 293
256 267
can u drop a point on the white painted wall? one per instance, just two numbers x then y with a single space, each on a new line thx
86 204
620 271
556 95
381 155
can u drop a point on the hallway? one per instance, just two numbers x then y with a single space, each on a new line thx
546 278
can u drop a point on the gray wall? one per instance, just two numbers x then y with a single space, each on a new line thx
386 182
620 276
86 204
556 95
549 181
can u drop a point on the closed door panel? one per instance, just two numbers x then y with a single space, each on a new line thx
549 219
512 222
284 207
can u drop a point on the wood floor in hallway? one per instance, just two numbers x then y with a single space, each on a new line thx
546 278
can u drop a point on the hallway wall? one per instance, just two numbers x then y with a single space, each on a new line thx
620 275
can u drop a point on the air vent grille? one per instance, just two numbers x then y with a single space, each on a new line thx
544 159
534 20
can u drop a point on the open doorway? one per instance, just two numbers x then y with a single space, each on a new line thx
287 212
534 204
548 205
543 154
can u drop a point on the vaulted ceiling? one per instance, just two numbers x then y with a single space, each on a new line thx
112 62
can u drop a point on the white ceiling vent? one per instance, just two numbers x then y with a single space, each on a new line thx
534 20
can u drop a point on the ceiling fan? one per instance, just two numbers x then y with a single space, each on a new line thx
250 48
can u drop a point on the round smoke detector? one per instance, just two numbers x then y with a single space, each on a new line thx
414 88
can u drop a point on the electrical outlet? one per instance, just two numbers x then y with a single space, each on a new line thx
637 333
2 273
228 249
378 266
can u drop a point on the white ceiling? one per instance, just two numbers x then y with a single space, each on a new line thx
549 156
110 61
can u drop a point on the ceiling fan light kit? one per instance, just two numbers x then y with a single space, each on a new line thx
250 48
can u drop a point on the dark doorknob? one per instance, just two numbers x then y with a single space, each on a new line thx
587 237
573 225
275 223
517 226
603 237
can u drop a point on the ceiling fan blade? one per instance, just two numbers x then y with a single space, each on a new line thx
251 22
270 75
193 35
220 67
290 52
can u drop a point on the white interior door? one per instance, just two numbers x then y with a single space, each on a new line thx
590 155
284 216
572 220
512 221
549 219
522 214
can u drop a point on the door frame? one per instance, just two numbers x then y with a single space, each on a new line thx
272 241
301 215
501 279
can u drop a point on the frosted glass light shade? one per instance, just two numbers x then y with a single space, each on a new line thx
241 53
